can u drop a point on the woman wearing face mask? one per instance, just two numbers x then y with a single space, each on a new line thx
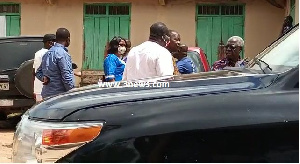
113 65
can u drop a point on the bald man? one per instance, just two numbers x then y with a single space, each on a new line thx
150 59
56 71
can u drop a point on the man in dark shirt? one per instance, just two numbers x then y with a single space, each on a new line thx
56 71
184 64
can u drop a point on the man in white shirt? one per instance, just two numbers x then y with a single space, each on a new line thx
48 41
150 59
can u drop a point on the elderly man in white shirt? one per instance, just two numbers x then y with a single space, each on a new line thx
48 41
150 59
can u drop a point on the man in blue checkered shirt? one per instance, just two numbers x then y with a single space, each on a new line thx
56 71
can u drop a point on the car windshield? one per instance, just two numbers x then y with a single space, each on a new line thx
281 56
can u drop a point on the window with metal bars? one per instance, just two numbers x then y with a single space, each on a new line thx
9 8
220 10
95 9
232 10
209 10
101 10
118 10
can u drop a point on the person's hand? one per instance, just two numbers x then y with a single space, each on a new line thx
246 60
46 80
77 74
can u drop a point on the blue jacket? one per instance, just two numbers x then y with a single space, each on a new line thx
113 67
185 66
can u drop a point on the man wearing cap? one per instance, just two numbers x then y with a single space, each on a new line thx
151 58
48 41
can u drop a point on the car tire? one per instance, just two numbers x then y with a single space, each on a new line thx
24 79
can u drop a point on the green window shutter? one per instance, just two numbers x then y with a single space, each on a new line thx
204 30
292 10
125 27
13 25
11 11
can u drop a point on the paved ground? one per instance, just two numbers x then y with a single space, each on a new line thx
6 139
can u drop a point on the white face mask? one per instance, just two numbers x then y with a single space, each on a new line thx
122 50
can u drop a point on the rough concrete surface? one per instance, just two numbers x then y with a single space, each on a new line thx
6 140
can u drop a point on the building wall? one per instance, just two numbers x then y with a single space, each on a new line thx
262 21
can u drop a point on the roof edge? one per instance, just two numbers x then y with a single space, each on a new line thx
19 37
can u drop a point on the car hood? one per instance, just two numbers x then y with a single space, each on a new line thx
58 107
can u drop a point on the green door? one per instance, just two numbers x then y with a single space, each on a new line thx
101 23
12 25
11 12
216 23
292 10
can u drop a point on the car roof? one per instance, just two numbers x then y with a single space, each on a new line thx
21 38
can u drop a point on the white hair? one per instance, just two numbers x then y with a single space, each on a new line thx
239 40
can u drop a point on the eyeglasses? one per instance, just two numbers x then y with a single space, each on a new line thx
232 47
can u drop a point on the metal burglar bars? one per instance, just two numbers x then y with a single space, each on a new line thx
220 10
95 9
118 10
101 9
9 8
208 10
232 10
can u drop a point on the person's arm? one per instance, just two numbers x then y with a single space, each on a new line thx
215 67
181 67
78 74
164 64
110 66
39 73
66 71
125 74
188 67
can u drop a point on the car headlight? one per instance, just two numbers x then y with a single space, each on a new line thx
39 141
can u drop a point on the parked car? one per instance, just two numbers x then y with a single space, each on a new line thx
242 115
16 80
199 58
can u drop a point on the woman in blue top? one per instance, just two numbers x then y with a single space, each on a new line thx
113 65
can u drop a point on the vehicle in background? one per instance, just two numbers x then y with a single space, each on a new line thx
16 73
245 115
199 58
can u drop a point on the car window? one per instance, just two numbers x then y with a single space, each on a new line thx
195 56
13 54
283 54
